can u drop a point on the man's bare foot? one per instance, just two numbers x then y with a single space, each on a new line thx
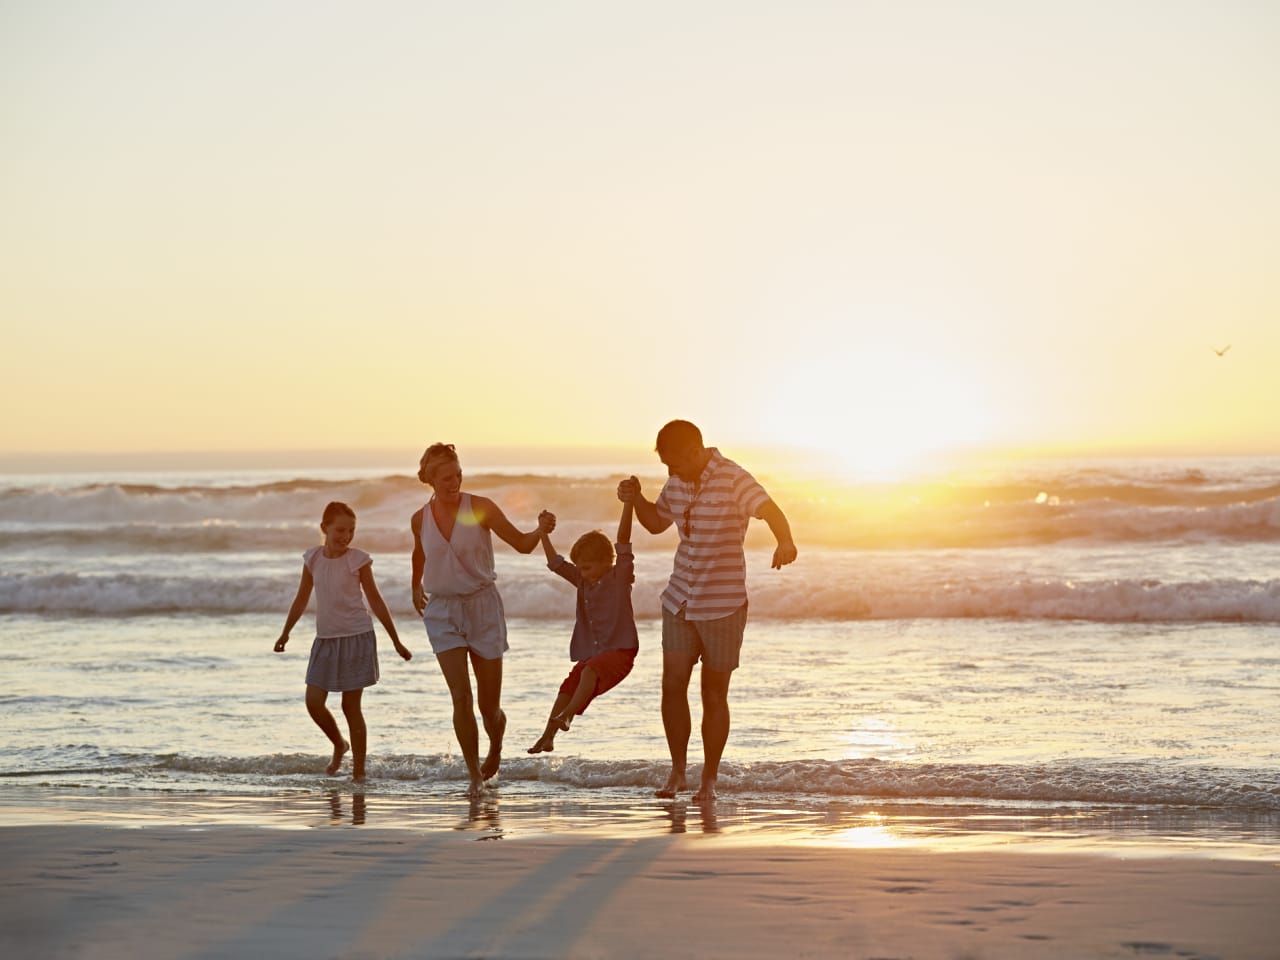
706 792
494 759
359 778
336 762
675 783
546 743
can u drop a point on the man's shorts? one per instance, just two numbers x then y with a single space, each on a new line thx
610 667
476 621
716 642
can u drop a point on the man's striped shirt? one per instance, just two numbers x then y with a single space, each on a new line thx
709 579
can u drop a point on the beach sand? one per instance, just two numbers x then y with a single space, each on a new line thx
98 891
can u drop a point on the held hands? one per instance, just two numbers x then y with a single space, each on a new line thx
629 490
546 522
784 554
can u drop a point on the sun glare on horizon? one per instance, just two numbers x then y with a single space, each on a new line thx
881 416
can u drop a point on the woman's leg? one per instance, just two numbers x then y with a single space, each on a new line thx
355 726
489 696
453 664
316 697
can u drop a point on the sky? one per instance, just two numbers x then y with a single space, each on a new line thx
881 230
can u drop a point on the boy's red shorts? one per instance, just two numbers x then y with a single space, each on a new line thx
610 668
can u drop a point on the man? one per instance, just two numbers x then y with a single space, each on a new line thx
704 606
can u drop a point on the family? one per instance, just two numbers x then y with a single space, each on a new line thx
709 498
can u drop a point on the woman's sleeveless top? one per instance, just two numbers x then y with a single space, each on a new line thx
462 564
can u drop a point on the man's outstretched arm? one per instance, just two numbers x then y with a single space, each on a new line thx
785 553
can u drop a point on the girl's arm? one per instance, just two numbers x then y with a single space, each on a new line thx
296 609
419 563
495 521
379 608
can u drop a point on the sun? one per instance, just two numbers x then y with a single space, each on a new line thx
878 415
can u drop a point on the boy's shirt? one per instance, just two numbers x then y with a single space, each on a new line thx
605 620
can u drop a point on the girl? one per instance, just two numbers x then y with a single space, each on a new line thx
454 591
344 656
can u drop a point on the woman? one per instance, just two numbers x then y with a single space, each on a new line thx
454 591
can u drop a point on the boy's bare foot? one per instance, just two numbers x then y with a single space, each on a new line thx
706 792
675 783
359 778
546 743
336 762
494 759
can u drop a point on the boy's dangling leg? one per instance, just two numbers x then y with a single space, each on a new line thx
547 742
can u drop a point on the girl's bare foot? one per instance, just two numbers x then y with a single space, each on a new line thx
546 743
338 754
675 783
494 759
706 792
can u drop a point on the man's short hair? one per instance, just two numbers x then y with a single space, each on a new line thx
679 434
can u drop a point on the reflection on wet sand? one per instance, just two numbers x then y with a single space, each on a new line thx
677 812
336 814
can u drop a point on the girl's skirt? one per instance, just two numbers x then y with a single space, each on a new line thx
343 663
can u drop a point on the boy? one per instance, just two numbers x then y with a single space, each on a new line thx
604 642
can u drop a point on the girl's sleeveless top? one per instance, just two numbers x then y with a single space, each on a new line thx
340 609
462 564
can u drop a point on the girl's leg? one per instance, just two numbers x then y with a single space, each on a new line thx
547 742
316 697
586 688
453 664
356 727
489 694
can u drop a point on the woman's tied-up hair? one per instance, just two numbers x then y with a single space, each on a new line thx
436 456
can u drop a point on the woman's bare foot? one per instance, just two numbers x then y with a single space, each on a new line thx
562 720
336 762
706 792
675 783
475 788
494 759
546 743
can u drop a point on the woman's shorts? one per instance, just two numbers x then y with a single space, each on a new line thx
610 667
339 664
476 621
716 642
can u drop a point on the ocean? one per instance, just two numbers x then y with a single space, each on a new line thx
1064 647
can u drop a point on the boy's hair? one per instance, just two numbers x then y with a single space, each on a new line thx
592 546
436 456
678 434
334 509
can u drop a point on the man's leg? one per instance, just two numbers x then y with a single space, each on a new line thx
677 668
715 727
